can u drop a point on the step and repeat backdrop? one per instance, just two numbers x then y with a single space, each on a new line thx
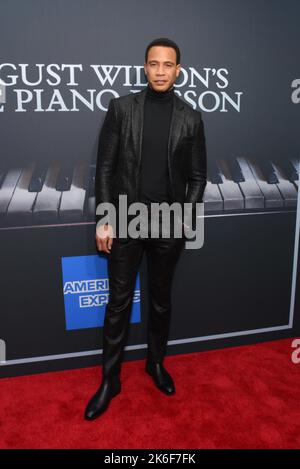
61 62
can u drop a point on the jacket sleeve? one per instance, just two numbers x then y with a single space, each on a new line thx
197 175
198 165
107 155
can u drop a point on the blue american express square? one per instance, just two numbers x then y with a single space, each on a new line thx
86 292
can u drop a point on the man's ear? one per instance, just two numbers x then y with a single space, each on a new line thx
178 69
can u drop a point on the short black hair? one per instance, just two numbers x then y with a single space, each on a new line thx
164 41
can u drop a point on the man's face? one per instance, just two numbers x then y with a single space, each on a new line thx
161 69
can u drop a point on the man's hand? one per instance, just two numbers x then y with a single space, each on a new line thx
104 237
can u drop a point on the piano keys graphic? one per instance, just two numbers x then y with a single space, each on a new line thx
64 192
247 185
47 194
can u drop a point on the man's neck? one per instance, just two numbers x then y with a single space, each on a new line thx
151 92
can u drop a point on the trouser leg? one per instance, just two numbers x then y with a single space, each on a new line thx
162 256
123 264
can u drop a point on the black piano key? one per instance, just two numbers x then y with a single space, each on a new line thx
3 172
48 199
230 191
254 199
235 170
38 177
65 176
287 188
73 202
214 173
268 172
289 170
272 195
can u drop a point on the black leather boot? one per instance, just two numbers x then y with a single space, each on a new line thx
161 377
110 387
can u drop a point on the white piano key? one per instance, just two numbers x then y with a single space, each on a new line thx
8 187
231 193
286 188
253 196
73 201
212 198
20 207
48 199
271 193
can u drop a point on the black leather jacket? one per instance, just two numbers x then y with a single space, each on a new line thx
120 144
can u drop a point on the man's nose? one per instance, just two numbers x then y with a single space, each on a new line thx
160 70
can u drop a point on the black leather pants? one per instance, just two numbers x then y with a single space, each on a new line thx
123 264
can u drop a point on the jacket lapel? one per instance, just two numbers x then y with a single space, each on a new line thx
176 125
137 123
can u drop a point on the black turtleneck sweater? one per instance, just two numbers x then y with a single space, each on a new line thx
154 163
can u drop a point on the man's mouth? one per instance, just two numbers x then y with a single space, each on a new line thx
160 82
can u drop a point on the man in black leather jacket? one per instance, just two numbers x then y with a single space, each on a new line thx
151 149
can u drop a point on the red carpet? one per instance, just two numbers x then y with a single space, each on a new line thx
241 397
